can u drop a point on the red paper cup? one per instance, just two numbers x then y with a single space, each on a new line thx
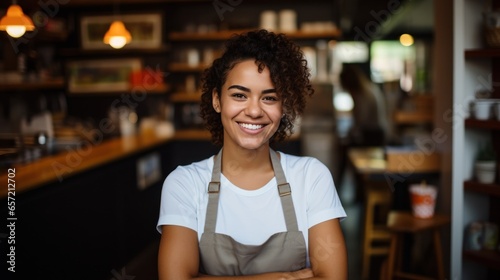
423 200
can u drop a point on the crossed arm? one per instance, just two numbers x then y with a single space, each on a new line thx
178 256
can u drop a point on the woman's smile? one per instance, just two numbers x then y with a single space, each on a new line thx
251 126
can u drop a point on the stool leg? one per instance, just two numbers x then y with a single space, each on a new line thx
366 265
367 239
439 254
392 256
398 262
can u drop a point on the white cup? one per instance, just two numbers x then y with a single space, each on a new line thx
193 57
482 109
423 200
288 21
268 20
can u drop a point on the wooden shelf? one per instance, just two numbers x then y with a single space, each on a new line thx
333 34
489 258
55 84
488 189
185 97
483 124
482 53
184 67
148 89
113 52
209 36
224 35
403 117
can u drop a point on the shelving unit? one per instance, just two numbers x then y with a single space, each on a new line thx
490 259
476 67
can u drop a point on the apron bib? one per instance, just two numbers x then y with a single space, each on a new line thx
221 255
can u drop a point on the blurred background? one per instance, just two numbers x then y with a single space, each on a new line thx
99 101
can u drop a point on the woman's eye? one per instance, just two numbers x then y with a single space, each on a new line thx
238 95
271 98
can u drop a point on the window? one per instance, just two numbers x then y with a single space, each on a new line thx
391 61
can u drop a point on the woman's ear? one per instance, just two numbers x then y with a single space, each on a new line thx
216 101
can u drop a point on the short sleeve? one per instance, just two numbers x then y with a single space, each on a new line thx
323 202
178 200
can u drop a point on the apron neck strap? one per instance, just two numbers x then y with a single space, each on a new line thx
283 189
285 194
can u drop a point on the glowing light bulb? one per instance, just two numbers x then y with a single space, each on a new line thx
117 42
15 31
406 40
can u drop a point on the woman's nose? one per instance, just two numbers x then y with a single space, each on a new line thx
254 109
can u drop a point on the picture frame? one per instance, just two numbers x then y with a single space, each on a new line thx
102 75
146 30
148 170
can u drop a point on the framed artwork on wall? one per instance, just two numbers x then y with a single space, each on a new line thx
102 75
146 30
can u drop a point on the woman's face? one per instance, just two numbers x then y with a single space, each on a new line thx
249 106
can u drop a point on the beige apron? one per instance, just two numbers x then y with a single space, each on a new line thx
221 255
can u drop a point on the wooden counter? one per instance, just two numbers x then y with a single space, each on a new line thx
398 160
369 160
61 166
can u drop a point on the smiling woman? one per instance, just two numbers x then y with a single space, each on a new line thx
250 210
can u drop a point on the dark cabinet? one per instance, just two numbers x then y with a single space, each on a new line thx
88 225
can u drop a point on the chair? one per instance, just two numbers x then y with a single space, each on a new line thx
376 236
401 222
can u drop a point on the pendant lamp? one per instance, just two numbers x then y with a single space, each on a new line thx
117 36
15 22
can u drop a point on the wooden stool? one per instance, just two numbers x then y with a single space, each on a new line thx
375 196
400 222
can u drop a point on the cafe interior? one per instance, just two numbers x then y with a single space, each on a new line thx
99 102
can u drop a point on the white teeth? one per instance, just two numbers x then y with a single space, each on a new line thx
251 126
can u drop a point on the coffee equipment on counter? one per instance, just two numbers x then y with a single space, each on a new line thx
123 121
36 137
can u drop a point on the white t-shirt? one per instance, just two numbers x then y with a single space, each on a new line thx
250 217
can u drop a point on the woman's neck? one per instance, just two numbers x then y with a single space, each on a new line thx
248 169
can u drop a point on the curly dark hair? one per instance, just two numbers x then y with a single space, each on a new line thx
288 70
